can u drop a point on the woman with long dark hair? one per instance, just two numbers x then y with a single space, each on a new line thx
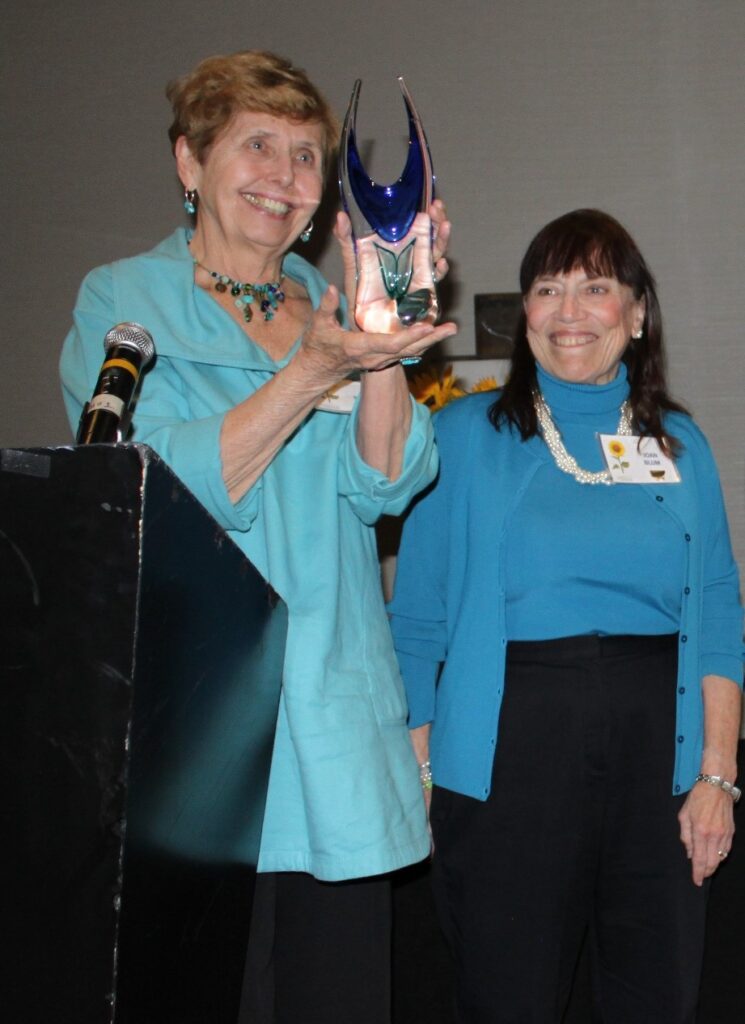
567 622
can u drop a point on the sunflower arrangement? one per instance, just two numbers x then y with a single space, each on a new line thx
435 386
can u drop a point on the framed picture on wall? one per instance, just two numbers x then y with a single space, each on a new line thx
496 315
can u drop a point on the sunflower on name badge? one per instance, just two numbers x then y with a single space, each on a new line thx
618 449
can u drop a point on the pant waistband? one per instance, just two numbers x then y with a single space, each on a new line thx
591 646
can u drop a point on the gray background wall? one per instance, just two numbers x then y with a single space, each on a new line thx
532 108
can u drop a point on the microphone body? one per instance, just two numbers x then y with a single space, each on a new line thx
129 348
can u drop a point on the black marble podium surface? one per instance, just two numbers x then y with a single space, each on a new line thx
140 670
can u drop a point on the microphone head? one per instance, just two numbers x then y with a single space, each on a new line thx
131 335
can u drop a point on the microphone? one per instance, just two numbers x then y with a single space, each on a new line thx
129 348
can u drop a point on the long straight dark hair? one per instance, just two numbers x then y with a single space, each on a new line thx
595 242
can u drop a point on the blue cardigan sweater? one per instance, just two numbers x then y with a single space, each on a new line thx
448 612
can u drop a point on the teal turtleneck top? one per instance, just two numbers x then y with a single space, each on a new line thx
589 558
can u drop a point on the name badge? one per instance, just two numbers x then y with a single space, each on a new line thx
340 398
631 461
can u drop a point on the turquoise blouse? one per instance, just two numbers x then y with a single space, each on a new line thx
344 795
450 608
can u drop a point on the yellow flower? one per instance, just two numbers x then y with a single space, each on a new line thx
616 448
434 390
485 384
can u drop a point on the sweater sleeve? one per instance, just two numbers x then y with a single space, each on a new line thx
722 622
163 418
418 610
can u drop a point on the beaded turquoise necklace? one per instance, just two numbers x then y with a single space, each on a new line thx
245 294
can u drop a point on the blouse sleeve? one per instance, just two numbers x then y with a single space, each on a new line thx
163 420
370 493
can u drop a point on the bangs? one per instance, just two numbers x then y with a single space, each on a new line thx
207 99
575 253
585 239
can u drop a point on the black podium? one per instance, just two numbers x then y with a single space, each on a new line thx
140 668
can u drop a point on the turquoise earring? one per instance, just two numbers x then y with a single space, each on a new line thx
190 194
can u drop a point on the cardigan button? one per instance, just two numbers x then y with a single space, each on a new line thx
681 739
688 536
677 789
659 497
684 639
686 590
681 689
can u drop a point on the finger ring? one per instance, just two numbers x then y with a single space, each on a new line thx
722 853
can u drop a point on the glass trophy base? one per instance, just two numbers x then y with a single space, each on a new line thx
395 286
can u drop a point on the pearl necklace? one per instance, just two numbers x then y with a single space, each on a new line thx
566 462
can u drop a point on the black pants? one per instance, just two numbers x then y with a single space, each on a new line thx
319 952
580 831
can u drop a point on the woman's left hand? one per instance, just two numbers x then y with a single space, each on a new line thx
706 819
329 352
706 829
441 236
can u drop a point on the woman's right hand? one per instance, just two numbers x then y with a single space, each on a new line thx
419 737
331 352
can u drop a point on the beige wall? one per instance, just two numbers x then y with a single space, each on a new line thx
532 108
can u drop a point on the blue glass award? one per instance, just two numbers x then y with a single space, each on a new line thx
392 230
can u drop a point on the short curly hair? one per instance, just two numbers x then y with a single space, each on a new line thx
205 100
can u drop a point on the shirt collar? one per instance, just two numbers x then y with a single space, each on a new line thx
568 396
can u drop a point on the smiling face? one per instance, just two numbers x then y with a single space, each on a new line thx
578 325
259 184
